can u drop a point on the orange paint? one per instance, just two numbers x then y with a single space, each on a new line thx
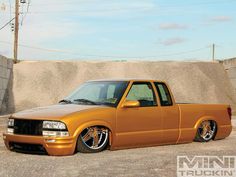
130 124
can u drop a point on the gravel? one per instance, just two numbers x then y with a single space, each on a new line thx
153 161
40 83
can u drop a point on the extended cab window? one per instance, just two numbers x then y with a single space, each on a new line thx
142 92
164 94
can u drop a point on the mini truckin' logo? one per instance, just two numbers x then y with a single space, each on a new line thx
206 166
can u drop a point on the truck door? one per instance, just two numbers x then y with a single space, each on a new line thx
170 114
139 125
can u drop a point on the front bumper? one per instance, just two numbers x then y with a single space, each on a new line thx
56 146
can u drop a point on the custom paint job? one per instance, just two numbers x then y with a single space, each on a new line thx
128 127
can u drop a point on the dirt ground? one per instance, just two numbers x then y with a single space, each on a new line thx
157 161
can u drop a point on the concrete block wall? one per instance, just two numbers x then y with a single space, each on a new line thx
230 67
6 67
232 75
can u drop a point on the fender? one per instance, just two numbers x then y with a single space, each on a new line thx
188 134
201 119
91 123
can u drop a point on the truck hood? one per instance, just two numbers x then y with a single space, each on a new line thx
54 112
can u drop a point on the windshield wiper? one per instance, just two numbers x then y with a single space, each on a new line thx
65 101
85 101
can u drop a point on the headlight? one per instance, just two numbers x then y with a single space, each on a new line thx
54 125
10 130
10 126
56 133
10 122
55 129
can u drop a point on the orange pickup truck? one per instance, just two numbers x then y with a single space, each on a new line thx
115 114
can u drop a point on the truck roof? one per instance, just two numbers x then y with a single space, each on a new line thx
124 79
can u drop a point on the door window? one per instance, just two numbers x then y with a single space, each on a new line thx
142 92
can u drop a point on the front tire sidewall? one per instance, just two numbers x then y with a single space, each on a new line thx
81 147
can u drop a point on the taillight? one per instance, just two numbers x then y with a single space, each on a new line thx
229 112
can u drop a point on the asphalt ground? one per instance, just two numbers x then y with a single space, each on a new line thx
159 161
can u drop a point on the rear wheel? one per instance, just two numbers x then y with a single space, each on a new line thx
93 139
206 131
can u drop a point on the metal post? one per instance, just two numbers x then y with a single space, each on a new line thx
16 30
213 52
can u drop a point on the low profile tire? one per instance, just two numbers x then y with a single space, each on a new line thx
206 131
93 139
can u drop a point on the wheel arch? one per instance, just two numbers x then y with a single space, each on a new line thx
204 118
94 123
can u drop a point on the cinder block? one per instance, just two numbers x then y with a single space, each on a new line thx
5 83
4 73
8 73
232 72
4 62
1 105
1 83
1 60
2 93
233 81
9 63
1 71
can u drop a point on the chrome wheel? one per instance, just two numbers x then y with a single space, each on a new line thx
207 130
94 138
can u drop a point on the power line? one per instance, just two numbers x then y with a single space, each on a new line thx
164 4
178 6
92 10
162 7
40 48
67 2
106 56
122 9
7 23
186 52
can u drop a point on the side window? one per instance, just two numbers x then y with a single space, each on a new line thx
111 91
142 92
164 94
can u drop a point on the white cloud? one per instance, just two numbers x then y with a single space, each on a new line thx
94 8
173 41
221 19
172 26
217 20
50 30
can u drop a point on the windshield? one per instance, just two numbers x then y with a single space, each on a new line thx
98 93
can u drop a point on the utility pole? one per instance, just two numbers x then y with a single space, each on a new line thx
16 30
213 52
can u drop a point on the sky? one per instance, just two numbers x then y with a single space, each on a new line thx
121 29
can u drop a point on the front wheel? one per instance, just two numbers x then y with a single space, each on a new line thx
93 139
206 131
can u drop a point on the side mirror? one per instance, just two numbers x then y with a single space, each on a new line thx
130 104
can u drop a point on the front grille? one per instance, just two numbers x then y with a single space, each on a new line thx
28 127
27 148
